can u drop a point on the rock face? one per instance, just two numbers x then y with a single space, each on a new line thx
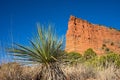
82 35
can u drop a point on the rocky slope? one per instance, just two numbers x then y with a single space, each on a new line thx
82 35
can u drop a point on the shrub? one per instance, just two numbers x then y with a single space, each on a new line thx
109 59
45 49
107 49
89 54
73 58
92 62
74 55
104 45
112 43
102 61
113 58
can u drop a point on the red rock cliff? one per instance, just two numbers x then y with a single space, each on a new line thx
82 35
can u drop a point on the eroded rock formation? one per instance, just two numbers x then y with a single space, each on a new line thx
82 35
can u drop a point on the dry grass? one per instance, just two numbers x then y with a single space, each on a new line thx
79 72
110 73
14 71
83 72
10 71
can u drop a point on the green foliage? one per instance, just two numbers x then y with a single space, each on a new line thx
106 60
107 49
46 49
92 62
89 54
113 28
73 58
74 55
113 58
102 61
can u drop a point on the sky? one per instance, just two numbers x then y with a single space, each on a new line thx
18 18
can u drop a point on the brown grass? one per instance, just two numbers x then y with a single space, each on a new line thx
15 71
82 72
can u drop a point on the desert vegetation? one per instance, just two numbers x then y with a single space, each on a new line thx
45 59
98 68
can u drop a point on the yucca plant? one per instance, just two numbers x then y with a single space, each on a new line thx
45 49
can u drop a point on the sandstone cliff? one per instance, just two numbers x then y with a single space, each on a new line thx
82 35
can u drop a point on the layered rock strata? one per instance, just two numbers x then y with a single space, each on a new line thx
82 35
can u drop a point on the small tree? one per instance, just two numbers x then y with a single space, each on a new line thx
89 54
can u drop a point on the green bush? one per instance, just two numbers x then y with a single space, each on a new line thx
89 54
102 61
73 58
92 62
113 58
74 55
109 59
107 49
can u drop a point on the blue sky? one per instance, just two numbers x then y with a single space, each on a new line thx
18 18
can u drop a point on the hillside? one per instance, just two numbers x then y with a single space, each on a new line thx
82 35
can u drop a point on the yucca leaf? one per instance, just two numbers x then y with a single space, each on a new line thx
45 48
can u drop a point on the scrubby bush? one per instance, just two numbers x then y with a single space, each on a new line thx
113 58
74 55
92 62
89 54
109 59
103 60
73 58
107 49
